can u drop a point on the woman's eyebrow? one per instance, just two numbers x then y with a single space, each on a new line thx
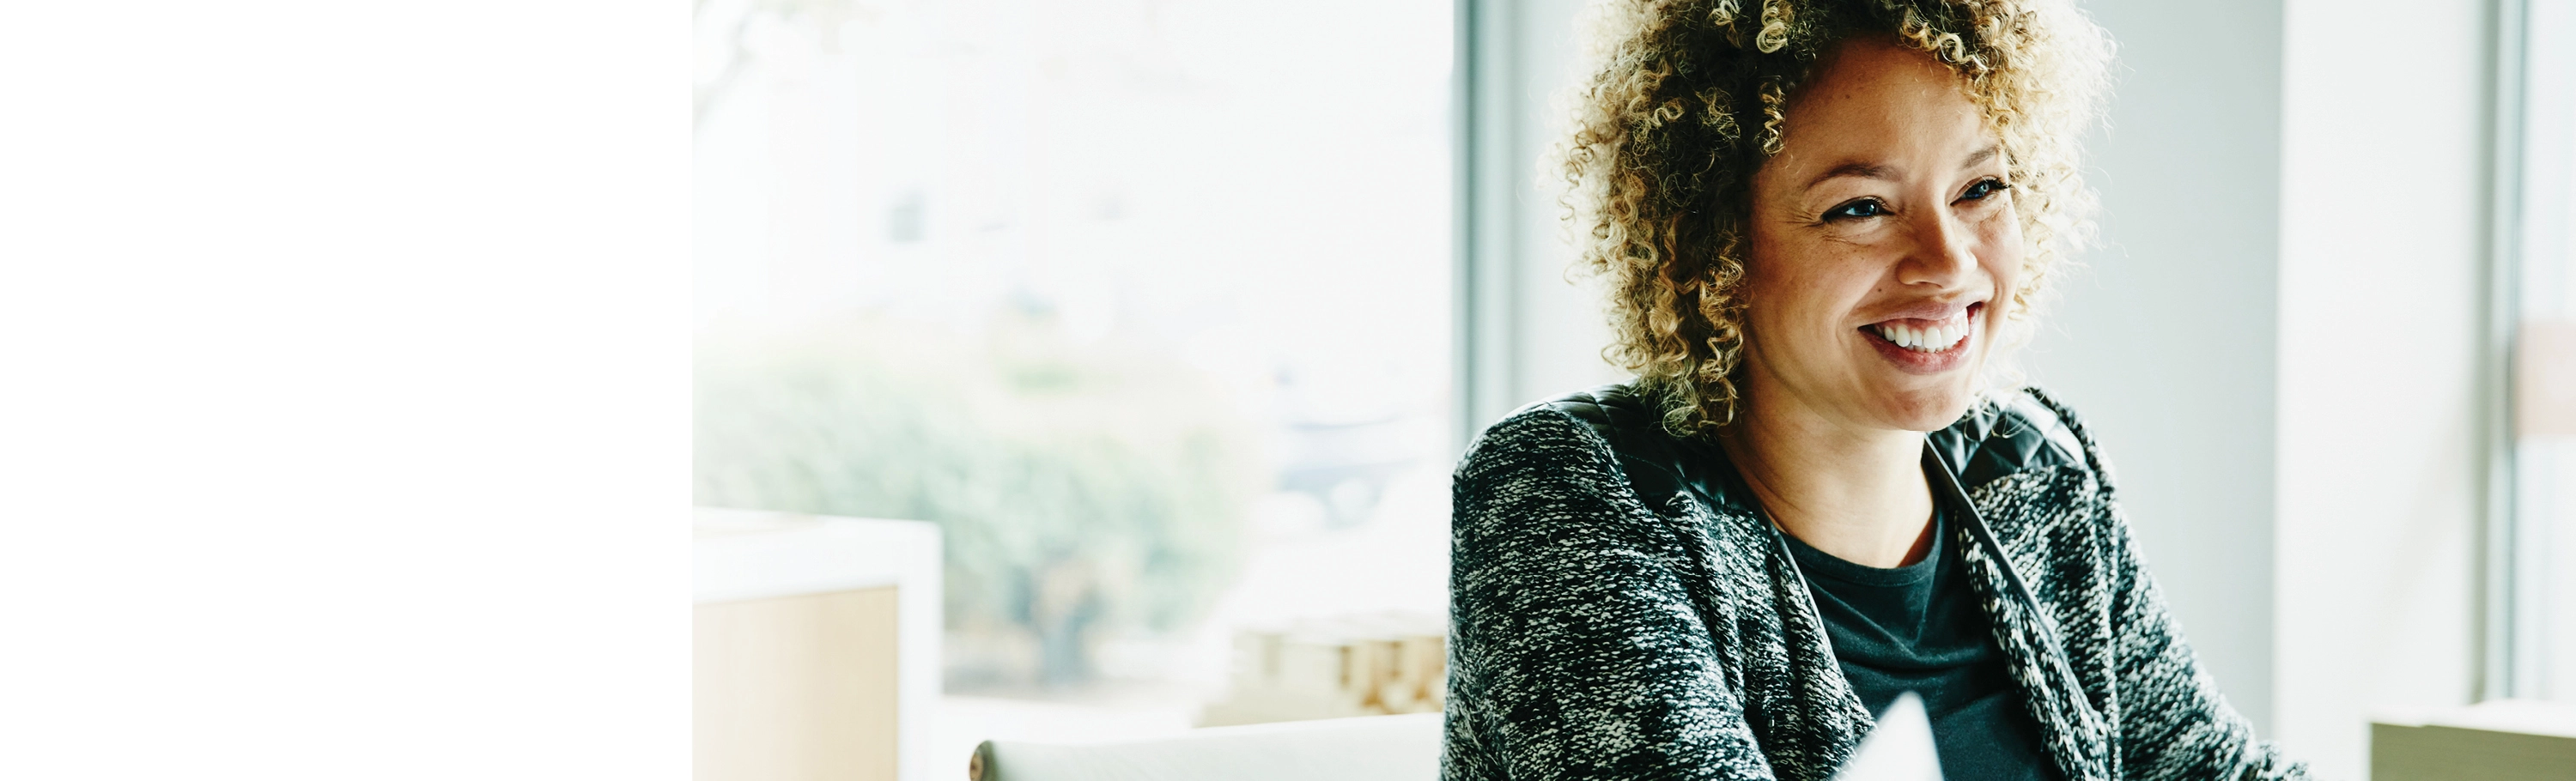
1854 168
1982 155
1867 170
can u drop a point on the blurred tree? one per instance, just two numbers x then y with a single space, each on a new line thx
1081 492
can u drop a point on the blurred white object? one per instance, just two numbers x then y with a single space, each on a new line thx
2545 379
1368 665
816 648
1900 749
1368 748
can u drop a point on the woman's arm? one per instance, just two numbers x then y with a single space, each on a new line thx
1575 652
2174 724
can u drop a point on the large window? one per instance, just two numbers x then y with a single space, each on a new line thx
2539 541
1145 302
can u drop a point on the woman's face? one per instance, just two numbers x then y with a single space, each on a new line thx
1884 245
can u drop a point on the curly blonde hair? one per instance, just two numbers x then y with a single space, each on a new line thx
1686 102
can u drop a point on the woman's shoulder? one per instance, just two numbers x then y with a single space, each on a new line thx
1611 434
1578 495
2039 483
1616 430
1599 417
1575 423
2014 432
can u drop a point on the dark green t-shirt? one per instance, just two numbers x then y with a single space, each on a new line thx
1920 628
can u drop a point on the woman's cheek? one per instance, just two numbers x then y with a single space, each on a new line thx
2003 253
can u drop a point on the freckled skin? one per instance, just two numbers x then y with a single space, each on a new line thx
1813 281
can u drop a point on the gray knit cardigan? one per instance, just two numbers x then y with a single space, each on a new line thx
1622 609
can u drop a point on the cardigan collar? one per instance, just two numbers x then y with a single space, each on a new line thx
2075 734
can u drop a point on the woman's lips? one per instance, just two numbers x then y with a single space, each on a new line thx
1921 346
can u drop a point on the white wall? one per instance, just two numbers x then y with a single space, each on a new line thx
2162 338
2383 215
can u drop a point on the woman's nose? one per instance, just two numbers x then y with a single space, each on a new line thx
1944 252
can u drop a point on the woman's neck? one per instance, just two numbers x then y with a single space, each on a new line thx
1858 494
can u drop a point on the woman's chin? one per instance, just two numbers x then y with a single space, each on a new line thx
1927 408
1927 393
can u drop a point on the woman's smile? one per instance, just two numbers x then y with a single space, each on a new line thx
1927 342
1887 217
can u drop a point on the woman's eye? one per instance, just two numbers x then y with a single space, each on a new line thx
1984 188
1866 207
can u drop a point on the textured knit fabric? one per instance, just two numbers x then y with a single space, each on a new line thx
1921 628
1621 609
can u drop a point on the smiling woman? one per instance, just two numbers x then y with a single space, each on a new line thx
1825 224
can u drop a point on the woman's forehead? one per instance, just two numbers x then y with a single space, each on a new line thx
1877 110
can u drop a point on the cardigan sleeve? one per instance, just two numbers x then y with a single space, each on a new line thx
2174 724
1575 651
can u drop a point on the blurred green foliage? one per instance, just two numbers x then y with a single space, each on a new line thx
1081 491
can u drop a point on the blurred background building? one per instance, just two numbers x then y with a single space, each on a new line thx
1173 314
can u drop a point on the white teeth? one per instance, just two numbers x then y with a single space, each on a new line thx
1931 340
